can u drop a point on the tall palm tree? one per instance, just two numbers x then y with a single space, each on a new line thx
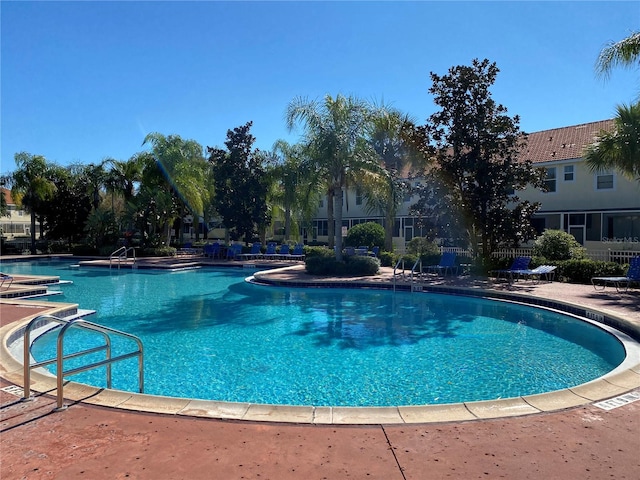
626 52
31 183
386 193
620 148
184 169
294 191
335 134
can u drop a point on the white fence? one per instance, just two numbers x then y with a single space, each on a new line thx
608 255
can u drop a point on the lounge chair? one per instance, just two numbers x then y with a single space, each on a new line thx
519 264
621 283
374 252
211 250
536 274
271 251
233 251
256 252
298 252
447 264
284 253
4 278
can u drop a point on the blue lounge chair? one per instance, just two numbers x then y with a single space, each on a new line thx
271 252
536 274
233 251
447 264
621 283
519 264
298 252
211 250
256 252
284 253
4 278
374 252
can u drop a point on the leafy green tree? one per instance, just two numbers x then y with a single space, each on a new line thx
336 141
618 149
31 184
240 184
474 145
66 213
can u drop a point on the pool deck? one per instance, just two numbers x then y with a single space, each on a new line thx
97 442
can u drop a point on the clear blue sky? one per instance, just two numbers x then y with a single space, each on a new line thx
81 81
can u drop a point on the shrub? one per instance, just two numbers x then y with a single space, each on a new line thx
423 247
557 245
367 234
317 252
582 270
387 259
161 251
351 266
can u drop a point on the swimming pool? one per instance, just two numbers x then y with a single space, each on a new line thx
210 335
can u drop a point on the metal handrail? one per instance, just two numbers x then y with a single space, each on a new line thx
60 357
400 261
413 269
123 252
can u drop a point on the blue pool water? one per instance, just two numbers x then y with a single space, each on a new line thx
208 334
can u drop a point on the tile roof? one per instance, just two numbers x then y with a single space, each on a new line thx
7 195
563 143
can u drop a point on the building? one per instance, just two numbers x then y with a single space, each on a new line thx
18 223
601 210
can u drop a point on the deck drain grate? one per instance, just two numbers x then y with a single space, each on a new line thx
14 390
618 401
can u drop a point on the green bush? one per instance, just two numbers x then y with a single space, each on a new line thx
157 252
367 234
556 245
351 266
387 259
317 252
582 270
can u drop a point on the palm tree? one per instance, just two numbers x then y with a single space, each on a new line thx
31 183
293 194
620 148
335 134
386 193
184 169
626 52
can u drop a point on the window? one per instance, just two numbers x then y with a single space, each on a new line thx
550 181
568 173
358 196
604 181
621 227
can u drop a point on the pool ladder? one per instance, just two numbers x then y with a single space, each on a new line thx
64 326
122 254
414 275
